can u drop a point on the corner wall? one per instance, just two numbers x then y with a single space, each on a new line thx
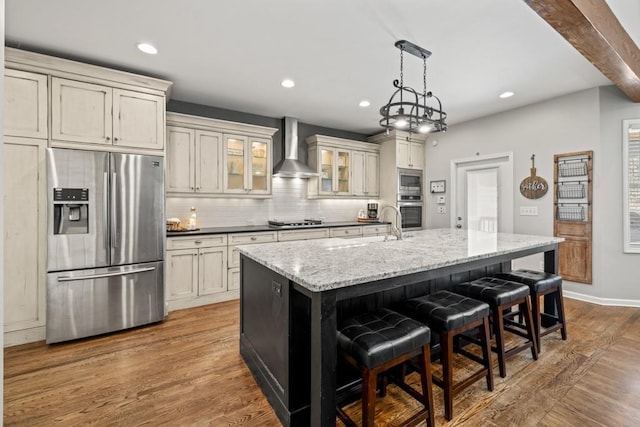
586 120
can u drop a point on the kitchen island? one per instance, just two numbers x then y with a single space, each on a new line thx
293 295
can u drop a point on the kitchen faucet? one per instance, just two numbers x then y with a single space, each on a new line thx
395 229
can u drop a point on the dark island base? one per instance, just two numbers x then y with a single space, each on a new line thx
275 329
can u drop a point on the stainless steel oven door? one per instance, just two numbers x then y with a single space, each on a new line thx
411 215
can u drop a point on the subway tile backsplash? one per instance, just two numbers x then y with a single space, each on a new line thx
288 202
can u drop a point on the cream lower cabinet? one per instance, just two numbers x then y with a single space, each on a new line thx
196 271
25 231
235 240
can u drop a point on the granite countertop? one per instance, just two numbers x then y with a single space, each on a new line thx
266 227
325 264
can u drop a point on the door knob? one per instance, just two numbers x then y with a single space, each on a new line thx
458 225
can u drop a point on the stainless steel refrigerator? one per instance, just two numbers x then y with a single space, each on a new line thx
105 242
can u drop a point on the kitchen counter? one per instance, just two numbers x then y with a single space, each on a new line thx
266 227
368 259
293 296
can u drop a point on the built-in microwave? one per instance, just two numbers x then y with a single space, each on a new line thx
409 185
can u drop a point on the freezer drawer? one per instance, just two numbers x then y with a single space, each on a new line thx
83 303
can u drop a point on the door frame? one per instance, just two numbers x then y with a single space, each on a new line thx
505 181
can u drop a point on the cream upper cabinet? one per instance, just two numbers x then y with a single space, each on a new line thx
247 166
96 114
217 158
410 154
365 173
346 167
25 104
194 161
24 236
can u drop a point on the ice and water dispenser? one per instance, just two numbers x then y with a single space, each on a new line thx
70 211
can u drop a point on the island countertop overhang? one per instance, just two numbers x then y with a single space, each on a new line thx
325 264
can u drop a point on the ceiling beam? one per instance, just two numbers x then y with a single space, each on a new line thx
592 28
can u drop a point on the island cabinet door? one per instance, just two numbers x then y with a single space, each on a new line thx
212 268
182 273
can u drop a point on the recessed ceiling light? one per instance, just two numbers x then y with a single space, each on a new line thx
506 94
288 83
147 48
364 103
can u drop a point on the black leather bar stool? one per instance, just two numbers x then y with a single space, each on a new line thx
541 283
501 295
377 341
449 314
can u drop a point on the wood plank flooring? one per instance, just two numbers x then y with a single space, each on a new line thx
187 371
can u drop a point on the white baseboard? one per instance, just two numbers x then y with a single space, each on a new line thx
24 336
602 301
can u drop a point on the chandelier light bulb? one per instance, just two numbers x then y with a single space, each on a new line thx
425 128
401 123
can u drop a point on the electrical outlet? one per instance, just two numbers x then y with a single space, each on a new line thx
528 210
442 209
440 200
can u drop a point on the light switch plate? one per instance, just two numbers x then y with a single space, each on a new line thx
528 210
440 200
438 186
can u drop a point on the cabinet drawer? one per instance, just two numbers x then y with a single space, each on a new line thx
345 232
205 241
247 238
318 233
375 229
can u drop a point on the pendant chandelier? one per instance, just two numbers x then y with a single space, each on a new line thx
407 109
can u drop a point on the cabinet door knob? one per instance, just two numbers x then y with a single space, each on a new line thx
108 139
115 139
254 238
346 232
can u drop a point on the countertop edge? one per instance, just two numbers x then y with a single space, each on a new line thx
260 228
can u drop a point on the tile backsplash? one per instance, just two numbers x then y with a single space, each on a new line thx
288 202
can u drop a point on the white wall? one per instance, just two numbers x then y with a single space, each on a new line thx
289 202
587 120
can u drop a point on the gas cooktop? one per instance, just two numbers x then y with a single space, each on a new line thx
300 223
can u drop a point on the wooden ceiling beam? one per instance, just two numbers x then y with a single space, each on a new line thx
593 29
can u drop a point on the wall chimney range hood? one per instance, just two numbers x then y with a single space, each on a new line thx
291 166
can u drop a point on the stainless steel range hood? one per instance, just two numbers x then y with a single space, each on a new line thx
291 166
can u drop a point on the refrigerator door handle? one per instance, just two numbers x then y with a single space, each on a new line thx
105 211
100 276
114 177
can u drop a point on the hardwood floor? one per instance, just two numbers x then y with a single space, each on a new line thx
187 371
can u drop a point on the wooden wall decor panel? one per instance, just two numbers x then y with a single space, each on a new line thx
573 214
593 29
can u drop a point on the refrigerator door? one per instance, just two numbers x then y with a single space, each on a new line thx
91 302
77 209
137 208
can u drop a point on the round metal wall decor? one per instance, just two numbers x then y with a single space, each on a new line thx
533 187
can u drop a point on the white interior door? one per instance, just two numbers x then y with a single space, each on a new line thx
483 193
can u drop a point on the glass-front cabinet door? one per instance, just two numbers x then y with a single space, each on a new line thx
235 155
343 172
326 171
260 166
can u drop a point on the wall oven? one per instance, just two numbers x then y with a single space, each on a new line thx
409 185
411 215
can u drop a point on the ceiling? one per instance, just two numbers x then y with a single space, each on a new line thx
234 54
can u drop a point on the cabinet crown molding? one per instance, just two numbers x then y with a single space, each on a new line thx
350 144
40 63
396 135
224 126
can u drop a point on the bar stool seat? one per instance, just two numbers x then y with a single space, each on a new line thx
541 283
501 295
449 314
376 341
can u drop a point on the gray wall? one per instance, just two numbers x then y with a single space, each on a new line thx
587 120
304 129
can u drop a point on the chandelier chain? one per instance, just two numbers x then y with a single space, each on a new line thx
424 79
401 67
